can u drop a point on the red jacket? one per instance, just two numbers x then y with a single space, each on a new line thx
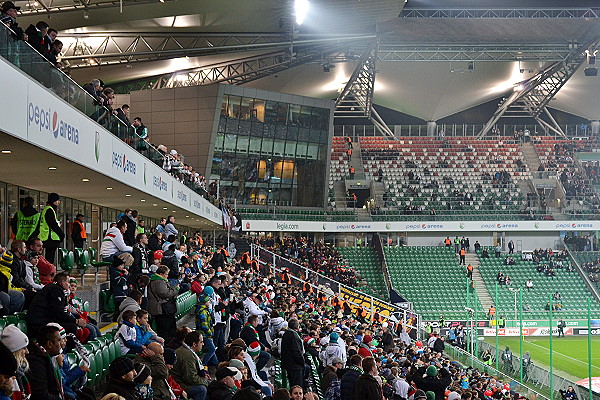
46 270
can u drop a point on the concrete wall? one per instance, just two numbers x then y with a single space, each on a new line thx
529 240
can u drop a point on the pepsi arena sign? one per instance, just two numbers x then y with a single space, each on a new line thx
160 184
120 162
48 121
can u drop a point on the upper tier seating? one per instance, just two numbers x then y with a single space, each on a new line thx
432 279
571 287
365 260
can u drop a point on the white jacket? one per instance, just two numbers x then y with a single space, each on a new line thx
332 351
113 242
250 308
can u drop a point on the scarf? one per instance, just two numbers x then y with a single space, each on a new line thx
254 329
57 376
198 361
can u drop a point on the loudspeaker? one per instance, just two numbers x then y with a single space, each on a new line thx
591 71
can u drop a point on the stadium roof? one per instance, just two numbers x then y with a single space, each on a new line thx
433 61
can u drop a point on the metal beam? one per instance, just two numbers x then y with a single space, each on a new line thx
356 98
531 96
79 6
91 50
502 13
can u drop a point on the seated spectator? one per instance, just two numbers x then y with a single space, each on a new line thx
153 358
32 259
143 381
75 307
188 370
143 331
42 374
120 381
46 269
50 305
11 299
16 341
113 243
224 384
118 273
127 334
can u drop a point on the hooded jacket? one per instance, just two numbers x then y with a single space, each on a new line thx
332 351
127 304
367 388
159 292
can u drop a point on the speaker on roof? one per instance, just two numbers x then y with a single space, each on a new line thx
591 71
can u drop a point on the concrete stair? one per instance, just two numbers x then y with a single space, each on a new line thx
482 292
531 157
356 161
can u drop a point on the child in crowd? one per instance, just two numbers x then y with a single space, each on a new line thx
143 331
127 334
143 379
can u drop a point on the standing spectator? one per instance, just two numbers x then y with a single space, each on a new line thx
113 243
330 383
170 227
49 305
142 133
130 217
53 53
132 302
25 221
50 232
35 36
333 351
188 370
94 88
43 373
123 114
161 226
350 376
366 386
9 18
140 258
511 247
78 233
292 359
205 325
160 294
462 254
429 378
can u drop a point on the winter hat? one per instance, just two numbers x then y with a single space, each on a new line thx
384 325
170 356
203 298
253 349
432 370
7 259
158 255
120 366
13 338
367 339
8 366
419 394
430 395
453 396
235 363
336 360
228 371
333 337
310 341
61 330
208 290
142 372
52 197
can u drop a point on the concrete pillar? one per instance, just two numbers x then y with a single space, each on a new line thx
431 128
595 126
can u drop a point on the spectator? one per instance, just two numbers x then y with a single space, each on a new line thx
132 302
11 299
122 373
25 221
46 269
366 386
52 55
292 360
50 232
9 19
42 374
49 305
350 376
154 359
123 114
330 383
188 370
161 299
118 273
170 227
142 134
31 261
113 243
127 334
222 387
161 227
130 218
432 378
78 233
143 331
94 88
333 351
16 341
36 34
18 269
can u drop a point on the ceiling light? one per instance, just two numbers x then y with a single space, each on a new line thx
85 180
108 188
142 199
154 204
51 168
187 216
174 211
6 151
164 208
300 9
127 195
162 1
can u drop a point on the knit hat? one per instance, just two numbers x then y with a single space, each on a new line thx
430 395
170 356
7 259
52 197
367 339
432 370
228 371
120 366
336 360
310 341
235 363
158 255
333 337
208 290
13 338
61 330
253 349
73 280
142 372
8 366
203 298
419 394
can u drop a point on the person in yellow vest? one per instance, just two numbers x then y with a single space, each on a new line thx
78 233
50 232
25 221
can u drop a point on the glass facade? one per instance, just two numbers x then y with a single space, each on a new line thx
270 152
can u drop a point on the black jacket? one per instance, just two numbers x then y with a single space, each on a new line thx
439 346
329 375
27 211
292 358
122 388
347 385
130 232
218 391
170 260
436 384
41 376
48 305
35 39
153 243
140 259
366 388
18 272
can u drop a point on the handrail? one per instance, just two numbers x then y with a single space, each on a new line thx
581 272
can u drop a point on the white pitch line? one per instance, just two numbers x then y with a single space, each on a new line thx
564 355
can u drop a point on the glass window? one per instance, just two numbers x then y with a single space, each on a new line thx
267 147
222 124
230 143
280 131
255 145
269 130
292 133
234 103
290 148
225 106
278 147
258 112
295 119
307 119
315 135
282 113
232 126
303 134
256 129
246 109
243 143
271 112
244 128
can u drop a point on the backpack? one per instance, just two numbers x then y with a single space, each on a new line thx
334 391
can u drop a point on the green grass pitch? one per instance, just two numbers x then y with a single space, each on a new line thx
570 354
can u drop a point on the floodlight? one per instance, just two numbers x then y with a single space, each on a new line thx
300 9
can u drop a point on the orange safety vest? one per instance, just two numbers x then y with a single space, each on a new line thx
200 241
285 277
307 288
83 232
462 252
351 170
246 258
447 241
492 310
335 302
254 265
470 267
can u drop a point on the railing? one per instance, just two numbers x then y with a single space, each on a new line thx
21 55
591 286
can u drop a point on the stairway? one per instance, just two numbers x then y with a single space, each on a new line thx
339 193
531 157
377 191
356 161
482 293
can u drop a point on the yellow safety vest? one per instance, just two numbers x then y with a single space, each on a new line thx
45 232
